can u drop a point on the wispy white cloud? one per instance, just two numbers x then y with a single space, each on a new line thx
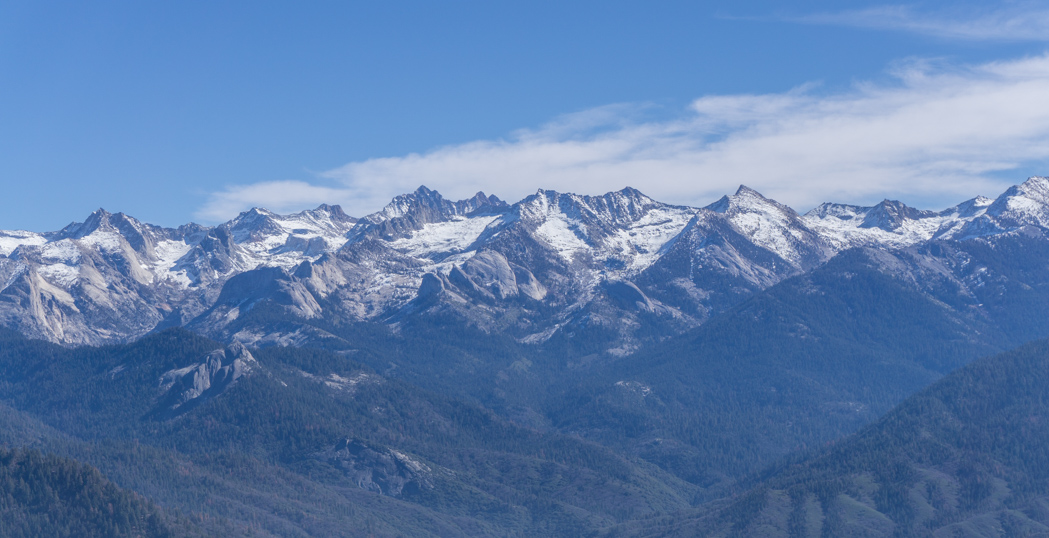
934 135
279 196
1009 22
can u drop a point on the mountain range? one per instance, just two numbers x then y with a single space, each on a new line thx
563 365
529 269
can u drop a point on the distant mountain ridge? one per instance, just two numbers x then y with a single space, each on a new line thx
529 269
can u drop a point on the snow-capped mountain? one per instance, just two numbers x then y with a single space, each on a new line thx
111 277
550 262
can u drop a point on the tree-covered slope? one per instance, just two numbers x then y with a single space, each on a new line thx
308 442
800 364
46 495
969 456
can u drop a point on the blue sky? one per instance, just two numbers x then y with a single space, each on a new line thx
178 111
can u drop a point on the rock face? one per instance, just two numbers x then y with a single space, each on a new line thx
546 263
378 469
188 387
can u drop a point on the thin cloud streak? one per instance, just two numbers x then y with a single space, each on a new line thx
1022 22
934 135
278 196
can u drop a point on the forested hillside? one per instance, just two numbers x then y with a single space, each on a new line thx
309 442
969 456
46 495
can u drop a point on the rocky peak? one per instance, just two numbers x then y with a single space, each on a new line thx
626 205
970 208
254 224
410 212
99 219
889 215
379 469
405 205
188 387
481 203
335 211
839 211
748 200
616 208
1030 198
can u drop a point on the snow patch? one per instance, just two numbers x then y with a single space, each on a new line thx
64 251
560 234
642 241
103 241
168 253
60 274
843 230
12 239
449 237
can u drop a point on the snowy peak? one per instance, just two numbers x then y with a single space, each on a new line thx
748 200
889 224
253 225
103 221
262 238
405 205
621 231
12 239
113 277
1021 205
971 208
76 230
1025 203
334 212
114 232
844 212
258 223
410 213
618 208
890 215
771 226
624 206
425 203
481 204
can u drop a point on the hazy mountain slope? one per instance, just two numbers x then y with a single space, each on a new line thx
795 366
969 456
315 425
233 494
46 495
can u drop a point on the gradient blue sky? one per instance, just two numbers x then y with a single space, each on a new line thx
179 111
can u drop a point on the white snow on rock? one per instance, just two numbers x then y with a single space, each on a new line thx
12 239
168 254
60 274
625 225
562 235
272 240
844 231
766 223
642 241
63 251
451 237
551 247
845 226
103 241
